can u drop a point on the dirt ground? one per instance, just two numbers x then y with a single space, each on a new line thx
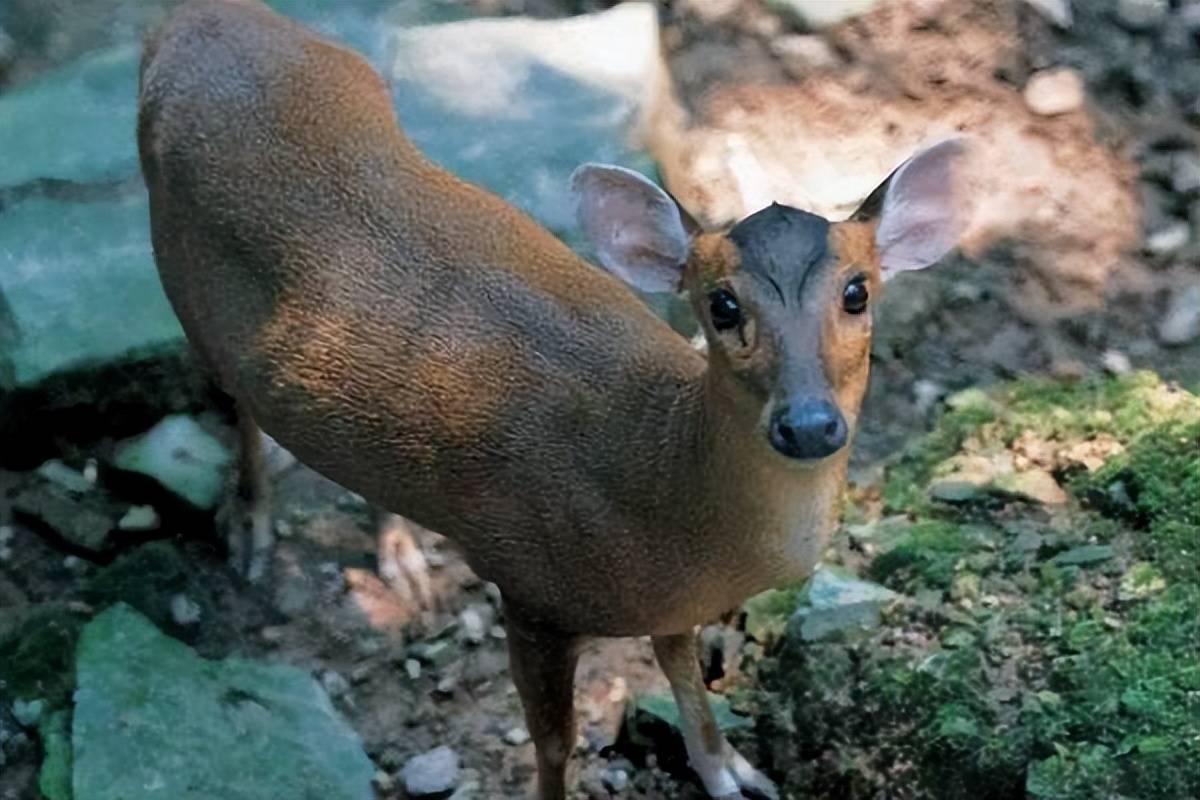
1055 279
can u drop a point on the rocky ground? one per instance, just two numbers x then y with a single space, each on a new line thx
1011 603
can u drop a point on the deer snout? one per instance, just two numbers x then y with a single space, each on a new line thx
808 429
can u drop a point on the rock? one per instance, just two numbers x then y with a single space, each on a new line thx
65 477
432 773
834 601
185 611
1185 170
1172 237
517 104
1057 11
83 521
28 713
139 519
74 124
1035 485
615 779
182 457
69 276
1142 15
803 53
1116 363
821 13
516 736
153 720
474 622
1085 555
1181 322
1054 91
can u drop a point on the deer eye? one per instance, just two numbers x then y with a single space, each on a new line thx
855 295
724 309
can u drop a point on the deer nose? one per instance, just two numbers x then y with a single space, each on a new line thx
808 429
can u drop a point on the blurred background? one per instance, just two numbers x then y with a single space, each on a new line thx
1012 604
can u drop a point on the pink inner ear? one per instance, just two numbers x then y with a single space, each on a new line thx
924 212
634 226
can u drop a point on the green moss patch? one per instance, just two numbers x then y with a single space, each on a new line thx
1043 651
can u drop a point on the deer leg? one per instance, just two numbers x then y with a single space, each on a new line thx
722 770
246 515
542 662
402 562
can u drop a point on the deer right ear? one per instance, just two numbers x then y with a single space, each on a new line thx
637 229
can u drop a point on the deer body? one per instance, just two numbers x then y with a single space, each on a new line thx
428 346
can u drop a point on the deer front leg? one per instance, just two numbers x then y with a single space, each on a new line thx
246 515
542 662
722 770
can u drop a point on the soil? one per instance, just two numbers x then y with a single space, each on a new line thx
1053 279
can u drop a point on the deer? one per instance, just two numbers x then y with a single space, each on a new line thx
425 344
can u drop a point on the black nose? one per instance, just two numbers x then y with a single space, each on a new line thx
808 429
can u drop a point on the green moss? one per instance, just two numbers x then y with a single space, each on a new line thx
1049 653
39 656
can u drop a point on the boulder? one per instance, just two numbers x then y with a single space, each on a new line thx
153 720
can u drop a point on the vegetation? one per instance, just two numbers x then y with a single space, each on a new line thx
1043 651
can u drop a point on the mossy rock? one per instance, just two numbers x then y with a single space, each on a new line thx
39 653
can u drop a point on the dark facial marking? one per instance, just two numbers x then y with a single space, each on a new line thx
782 245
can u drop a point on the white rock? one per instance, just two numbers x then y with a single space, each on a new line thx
431 773
804 52
1054 91
412 668
1116 363
516 736
184 610
1185 170
1169 239
1057 11
139 518
474 622
1181 324
819 13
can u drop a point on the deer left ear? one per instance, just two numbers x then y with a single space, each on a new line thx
922 208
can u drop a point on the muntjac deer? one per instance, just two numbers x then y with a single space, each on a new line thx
423 343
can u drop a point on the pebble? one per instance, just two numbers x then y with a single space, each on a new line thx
335 684
1116 363
1141 15
1181 322
431 773
447 685
1185 171
413 668
926 394
1054 91
74 564
383 782
283 529
615 780
801 53
1171 238
474 622
139 518
1057 11
185 611
516 736
498 632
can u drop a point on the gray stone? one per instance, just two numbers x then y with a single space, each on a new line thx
1185 171
78 289
1057 11
1086 555
834 601
517 104
432 773
185 611
139 519
75 123
1181 323
1054 91
821 13
516 736
181 456
1140 15
84 521
154 720
65 477
1169 238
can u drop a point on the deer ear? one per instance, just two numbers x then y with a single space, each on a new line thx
922 208
636 228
